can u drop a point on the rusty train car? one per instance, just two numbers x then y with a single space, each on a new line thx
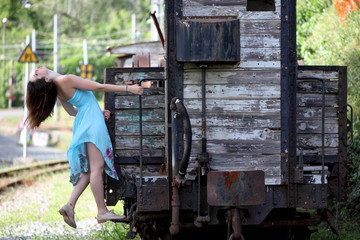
232 139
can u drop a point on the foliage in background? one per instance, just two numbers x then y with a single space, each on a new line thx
307 14
102 23
323 40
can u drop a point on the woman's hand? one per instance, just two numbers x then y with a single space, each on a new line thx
136 89
106 114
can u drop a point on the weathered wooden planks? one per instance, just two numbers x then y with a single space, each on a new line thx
260 26
235 119
192 8
231 76
242 119
240 134
241 147
244 91
309 112
246 105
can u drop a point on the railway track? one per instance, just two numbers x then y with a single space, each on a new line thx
20 174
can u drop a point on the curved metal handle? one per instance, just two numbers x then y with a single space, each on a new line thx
349 126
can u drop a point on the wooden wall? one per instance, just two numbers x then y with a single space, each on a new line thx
125 125
309 112
242 100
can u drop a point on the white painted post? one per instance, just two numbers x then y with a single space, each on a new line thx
25 107
85 50
56 117
33 47
133 28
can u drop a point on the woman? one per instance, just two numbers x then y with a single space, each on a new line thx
90 151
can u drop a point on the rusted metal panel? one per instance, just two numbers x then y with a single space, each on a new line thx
152 199
208 40
235 188
309 196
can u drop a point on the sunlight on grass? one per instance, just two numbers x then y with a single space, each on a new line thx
45 208
38 204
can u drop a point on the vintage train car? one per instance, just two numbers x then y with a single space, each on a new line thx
232 139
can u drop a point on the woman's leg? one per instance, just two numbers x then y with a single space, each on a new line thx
67 211
79 188
96 162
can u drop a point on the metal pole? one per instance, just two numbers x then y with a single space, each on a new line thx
33 47
56 117
85 50
4 58
133 28
11 87
25 107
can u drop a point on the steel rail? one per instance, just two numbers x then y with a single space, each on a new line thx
9 177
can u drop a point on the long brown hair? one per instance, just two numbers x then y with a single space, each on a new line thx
40 101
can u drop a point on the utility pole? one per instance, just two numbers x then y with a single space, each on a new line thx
85 51
11 84
25 107
133 28
33 47
2 85
56 57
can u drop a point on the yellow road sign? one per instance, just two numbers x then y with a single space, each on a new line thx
28 55
86 71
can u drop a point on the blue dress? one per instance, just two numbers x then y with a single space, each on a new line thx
89 126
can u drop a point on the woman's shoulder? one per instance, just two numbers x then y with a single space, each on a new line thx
66 78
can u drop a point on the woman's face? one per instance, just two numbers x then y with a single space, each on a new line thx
41 72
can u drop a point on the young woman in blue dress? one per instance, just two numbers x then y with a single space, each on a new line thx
90 151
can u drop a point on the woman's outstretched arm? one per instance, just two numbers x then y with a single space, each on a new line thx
86 84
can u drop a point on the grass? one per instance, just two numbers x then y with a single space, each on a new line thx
39 202
325 233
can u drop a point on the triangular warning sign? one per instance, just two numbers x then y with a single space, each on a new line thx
28 55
